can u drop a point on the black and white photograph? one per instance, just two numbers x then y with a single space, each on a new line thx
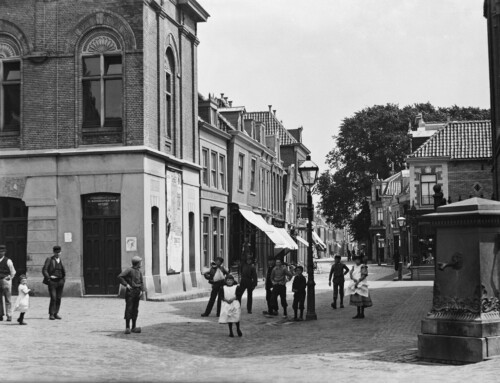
250 191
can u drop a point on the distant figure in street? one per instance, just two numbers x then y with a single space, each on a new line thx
215 277
231 309
271 310
349 255
23 299
7 273
279 277
299 288
132 279
358 288
54 277
338 271
248 281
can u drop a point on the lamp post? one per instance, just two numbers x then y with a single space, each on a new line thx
308 171
404 247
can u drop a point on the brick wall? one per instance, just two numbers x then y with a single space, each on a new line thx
469 178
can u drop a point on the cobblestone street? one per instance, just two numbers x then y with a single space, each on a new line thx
176 344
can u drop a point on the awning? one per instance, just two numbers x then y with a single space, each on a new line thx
318 241
289 240
255 220
302 240
270 230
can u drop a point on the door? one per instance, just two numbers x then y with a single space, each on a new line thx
101 243
14 233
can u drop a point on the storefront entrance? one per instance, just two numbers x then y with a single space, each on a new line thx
13 234
101 243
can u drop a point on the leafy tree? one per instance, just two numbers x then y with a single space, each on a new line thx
370 144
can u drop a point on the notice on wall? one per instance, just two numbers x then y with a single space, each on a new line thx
174 221
131 244
68 237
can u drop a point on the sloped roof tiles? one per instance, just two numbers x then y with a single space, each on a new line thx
460 140
273 126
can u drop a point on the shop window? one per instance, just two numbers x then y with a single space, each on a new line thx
427 183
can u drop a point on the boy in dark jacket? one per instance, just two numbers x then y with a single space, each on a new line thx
338 271
132 279
248 281
299 288
216 277
271 310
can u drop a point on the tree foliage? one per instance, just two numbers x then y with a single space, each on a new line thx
370 144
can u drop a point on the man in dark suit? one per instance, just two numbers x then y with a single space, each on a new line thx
54 274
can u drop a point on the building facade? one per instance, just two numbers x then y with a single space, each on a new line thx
99 140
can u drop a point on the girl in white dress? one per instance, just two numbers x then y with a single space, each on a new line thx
231 310
23 299
358 288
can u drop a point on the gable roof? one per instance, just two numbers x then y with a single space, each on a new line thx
459 140
273 126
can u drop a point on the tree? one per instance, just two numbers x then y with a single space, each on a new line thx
372 143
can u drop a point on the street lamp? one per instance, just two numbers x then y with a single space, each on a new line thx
308 171
402 226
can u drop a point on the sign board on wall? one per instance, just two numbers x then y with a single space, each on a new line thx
131 243
174 223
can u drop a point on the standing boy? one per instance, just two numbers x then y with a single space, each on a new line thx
131 278
248 281
338 271
299 288
216 277
54 277
271 310
279 277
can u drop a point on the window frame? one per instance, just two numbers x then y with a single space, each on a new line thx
8 83
253 168
169 93
205 158
214 172
102 87
222 237
222 171
429 186
241 171
380 216
205 242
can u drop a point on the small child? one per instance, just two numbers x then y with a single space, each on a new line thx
23 299
231 309
338 271
131 278
299 288
358 289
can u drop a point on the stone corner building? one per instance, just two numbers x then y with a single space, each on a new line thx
99 139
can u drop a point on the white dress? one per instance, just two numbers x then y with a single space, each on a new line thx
230 312
362 288
23 299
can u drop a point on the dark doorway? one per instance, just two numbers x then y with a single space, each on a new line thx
14 233
155 245
101 243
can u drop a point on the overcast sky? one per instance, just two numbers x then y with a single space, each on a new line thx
320 61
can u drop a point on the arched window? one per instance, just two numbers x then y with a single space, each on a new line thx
102 81
169 93
10 86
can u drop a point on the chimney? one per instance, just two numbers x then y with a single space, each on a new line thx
274 111
230 104
270 107
222 95
225 101
419 121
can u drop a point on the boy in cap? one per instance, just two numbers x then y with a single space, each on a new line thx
279 277
54 277
7 273
248 281
216 277
338 271
131 278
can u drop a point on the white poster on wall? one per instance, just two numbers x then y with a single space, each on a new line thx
174 221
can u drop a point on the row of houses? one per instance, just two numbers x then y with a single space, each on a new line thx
108 149
456 156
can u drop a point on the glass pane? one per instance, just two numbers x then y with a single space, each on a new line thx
168 81
113 102
12 107
428 178
91 103
91 66
12 71
112 65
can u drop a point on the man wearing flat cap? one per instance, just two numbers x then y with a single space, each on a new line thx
132 279
7 272
54 274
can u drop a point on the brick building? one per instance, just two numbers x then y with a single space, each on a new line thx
99 139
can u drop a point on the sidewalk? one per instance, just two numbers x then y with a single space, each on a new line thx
178 345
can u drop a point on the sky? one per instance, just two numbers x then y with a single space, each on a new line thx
318 62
